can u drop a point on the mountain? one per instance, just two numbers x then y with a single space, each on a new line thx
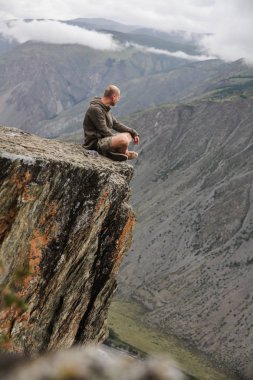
149 90
179 36
45 88
172 41
6 45
178 39
191 259
191 262
155 42
101 24
38 81
212 78
61 77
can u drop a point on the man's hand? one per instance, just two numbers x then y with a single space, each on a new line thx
136 140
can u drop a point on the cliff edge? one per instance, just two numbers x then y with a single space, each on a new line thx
65 221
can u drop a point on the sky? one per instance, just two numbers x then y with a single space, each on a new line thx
227 24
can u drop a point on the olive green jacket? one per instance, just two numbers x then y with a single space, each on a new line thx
99 122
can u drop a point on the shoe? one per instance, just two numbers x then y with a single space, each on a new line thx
117 156
132 155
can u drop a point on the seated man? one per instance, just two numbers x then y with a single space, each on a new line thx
98 125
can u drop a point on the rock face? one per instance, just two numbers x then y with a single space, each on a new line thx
192 261
64 218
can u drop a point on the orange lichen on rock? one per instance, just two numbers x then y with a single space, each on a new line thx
17 185
7 317
37 244
52 209
21 180
102 200
41 237
124 241
5 320
27 195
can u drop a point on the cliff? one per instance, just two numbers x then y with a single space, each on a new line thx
65 223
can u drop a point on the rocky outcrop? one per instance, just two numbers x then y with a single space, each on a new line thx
65 223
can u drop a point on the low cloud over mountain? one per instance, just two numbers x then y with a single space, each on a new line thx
232 33
176 54
229 23
58 32
52 31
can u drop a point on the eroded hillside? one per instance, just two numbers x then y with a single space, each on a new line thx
191 262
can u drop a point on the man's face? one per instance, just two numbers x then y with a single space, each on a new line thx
115 98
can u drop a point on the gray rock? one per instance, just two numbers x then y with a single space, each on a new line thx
64 217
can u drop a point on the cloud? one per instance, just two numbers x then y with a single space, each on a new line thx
229 23
176 54
56 32
51 31
233 36
159 14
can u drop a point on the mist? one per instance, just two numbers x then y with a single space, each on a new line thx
226 26
56 32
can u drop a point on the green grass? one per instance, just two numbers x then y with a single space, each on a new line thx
114 341
127 321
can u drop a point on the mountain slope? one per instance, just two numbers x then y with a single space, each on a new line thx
172 41
101 24
191 261
45 88
39 81
145 91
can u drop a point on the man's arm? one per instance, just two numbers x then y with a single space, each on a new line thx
119 127
98 119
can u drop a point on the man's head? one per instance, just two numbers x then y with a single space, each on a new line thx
111 95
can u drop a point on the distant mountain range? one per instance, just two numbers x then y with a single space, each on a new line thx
39 81
45 88
102 24
61 77
173 41
208 79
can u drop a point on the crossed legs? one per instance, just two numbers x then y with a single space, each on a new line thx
117 145
120 142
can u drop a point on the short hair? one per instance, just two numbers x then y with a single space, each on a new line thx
111 90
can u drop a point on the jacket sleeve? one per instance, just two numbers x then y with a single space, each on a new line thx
98 119
123 128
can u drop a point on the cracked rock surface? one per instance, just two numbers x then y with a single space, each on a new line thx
64 217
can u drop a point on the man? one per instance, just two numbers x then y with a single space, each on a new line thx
98 127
